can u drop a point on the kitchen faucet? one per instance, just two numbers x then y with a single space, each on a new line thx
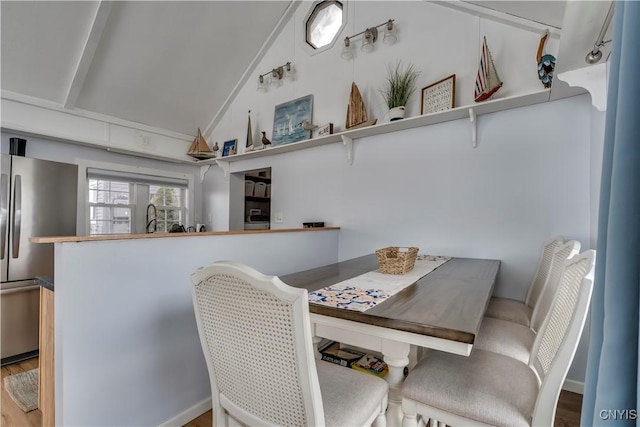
153 221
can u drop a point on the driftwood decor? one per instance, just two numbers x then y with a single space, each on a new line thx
356 111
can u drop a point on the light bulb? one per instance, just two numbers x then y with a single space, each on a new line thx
288 71
389 33
367 44
262 87
370 36
346 49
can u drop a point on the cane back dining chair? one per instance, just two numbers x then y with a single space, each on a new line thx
489 388
255 332
518 311
513 339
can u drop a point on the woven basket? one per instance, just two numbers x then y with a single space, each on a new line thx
394 261
248 187
260 189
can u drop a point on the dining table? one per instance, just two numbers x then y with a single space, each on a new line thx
442 311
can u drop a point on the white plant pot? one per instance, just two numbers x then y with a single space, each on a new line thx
396 113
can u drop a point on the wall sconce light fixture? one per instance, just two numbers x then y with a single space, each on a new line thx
369 38
274 76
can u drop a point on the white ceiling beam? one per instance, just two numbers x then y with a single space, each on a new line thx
288 13
89 50
91 115
497 16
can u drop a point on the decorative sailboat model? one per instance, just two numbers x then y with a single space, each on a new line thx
356 112
199 148
487 81
249 144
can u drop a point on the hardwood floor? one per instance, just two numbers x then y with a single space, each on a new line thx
567 414
204 420
12 415
568 410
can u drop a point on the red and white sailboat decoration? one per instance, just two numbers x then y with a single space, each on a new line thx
487 81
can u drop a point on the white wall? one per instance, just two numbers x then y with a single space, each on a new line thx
578 367
439 41
127 348
531 177
528 179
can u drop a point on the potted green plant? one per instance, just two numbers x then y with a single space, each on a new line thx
400 85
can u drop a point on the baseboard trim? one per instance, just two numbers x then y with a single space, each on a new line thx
190 414
573 386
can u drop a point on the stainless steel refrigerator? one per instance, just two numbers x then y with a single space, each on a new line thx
37 198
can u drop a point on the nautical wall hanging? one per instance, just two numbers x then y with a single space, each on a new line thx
249 144
487 80
546 62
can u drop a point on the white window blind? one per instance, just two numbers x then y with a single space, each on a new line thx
136 177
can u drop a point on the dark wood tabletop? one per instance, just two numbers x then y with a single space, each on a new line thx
447 303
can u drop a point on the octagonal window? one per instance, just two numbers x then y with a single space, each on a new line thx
324 23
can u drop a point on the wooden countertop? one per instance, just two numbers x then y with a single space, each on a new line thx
102 237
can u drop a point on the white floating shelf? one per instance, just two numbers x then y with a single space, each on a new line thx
457 113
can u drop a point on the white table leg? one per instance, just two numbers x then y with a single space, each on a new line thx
396 355
316 342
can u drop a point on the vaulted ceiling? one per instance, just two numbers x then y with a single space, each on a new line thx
167 64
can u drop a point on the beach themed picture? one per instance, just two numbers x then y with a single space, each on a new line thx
288 120
229 148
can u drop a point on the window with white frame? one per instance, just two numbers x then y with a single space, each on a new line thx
169 206
123 202
110 206
324 24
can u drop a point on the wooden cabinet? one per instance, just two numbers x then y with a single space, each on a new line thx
46 387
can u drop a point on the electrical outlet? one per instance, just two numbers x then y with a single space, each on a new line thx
279 217
210 218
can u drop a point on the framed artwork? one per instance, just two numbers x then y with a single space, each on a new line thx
229 147
288 121
439 96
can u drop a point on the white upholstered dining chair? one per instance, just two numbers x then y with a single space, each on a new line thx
255 332
513 339
518 311
489 388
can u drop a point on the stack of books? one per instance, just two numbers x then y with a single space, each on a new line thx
355 359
